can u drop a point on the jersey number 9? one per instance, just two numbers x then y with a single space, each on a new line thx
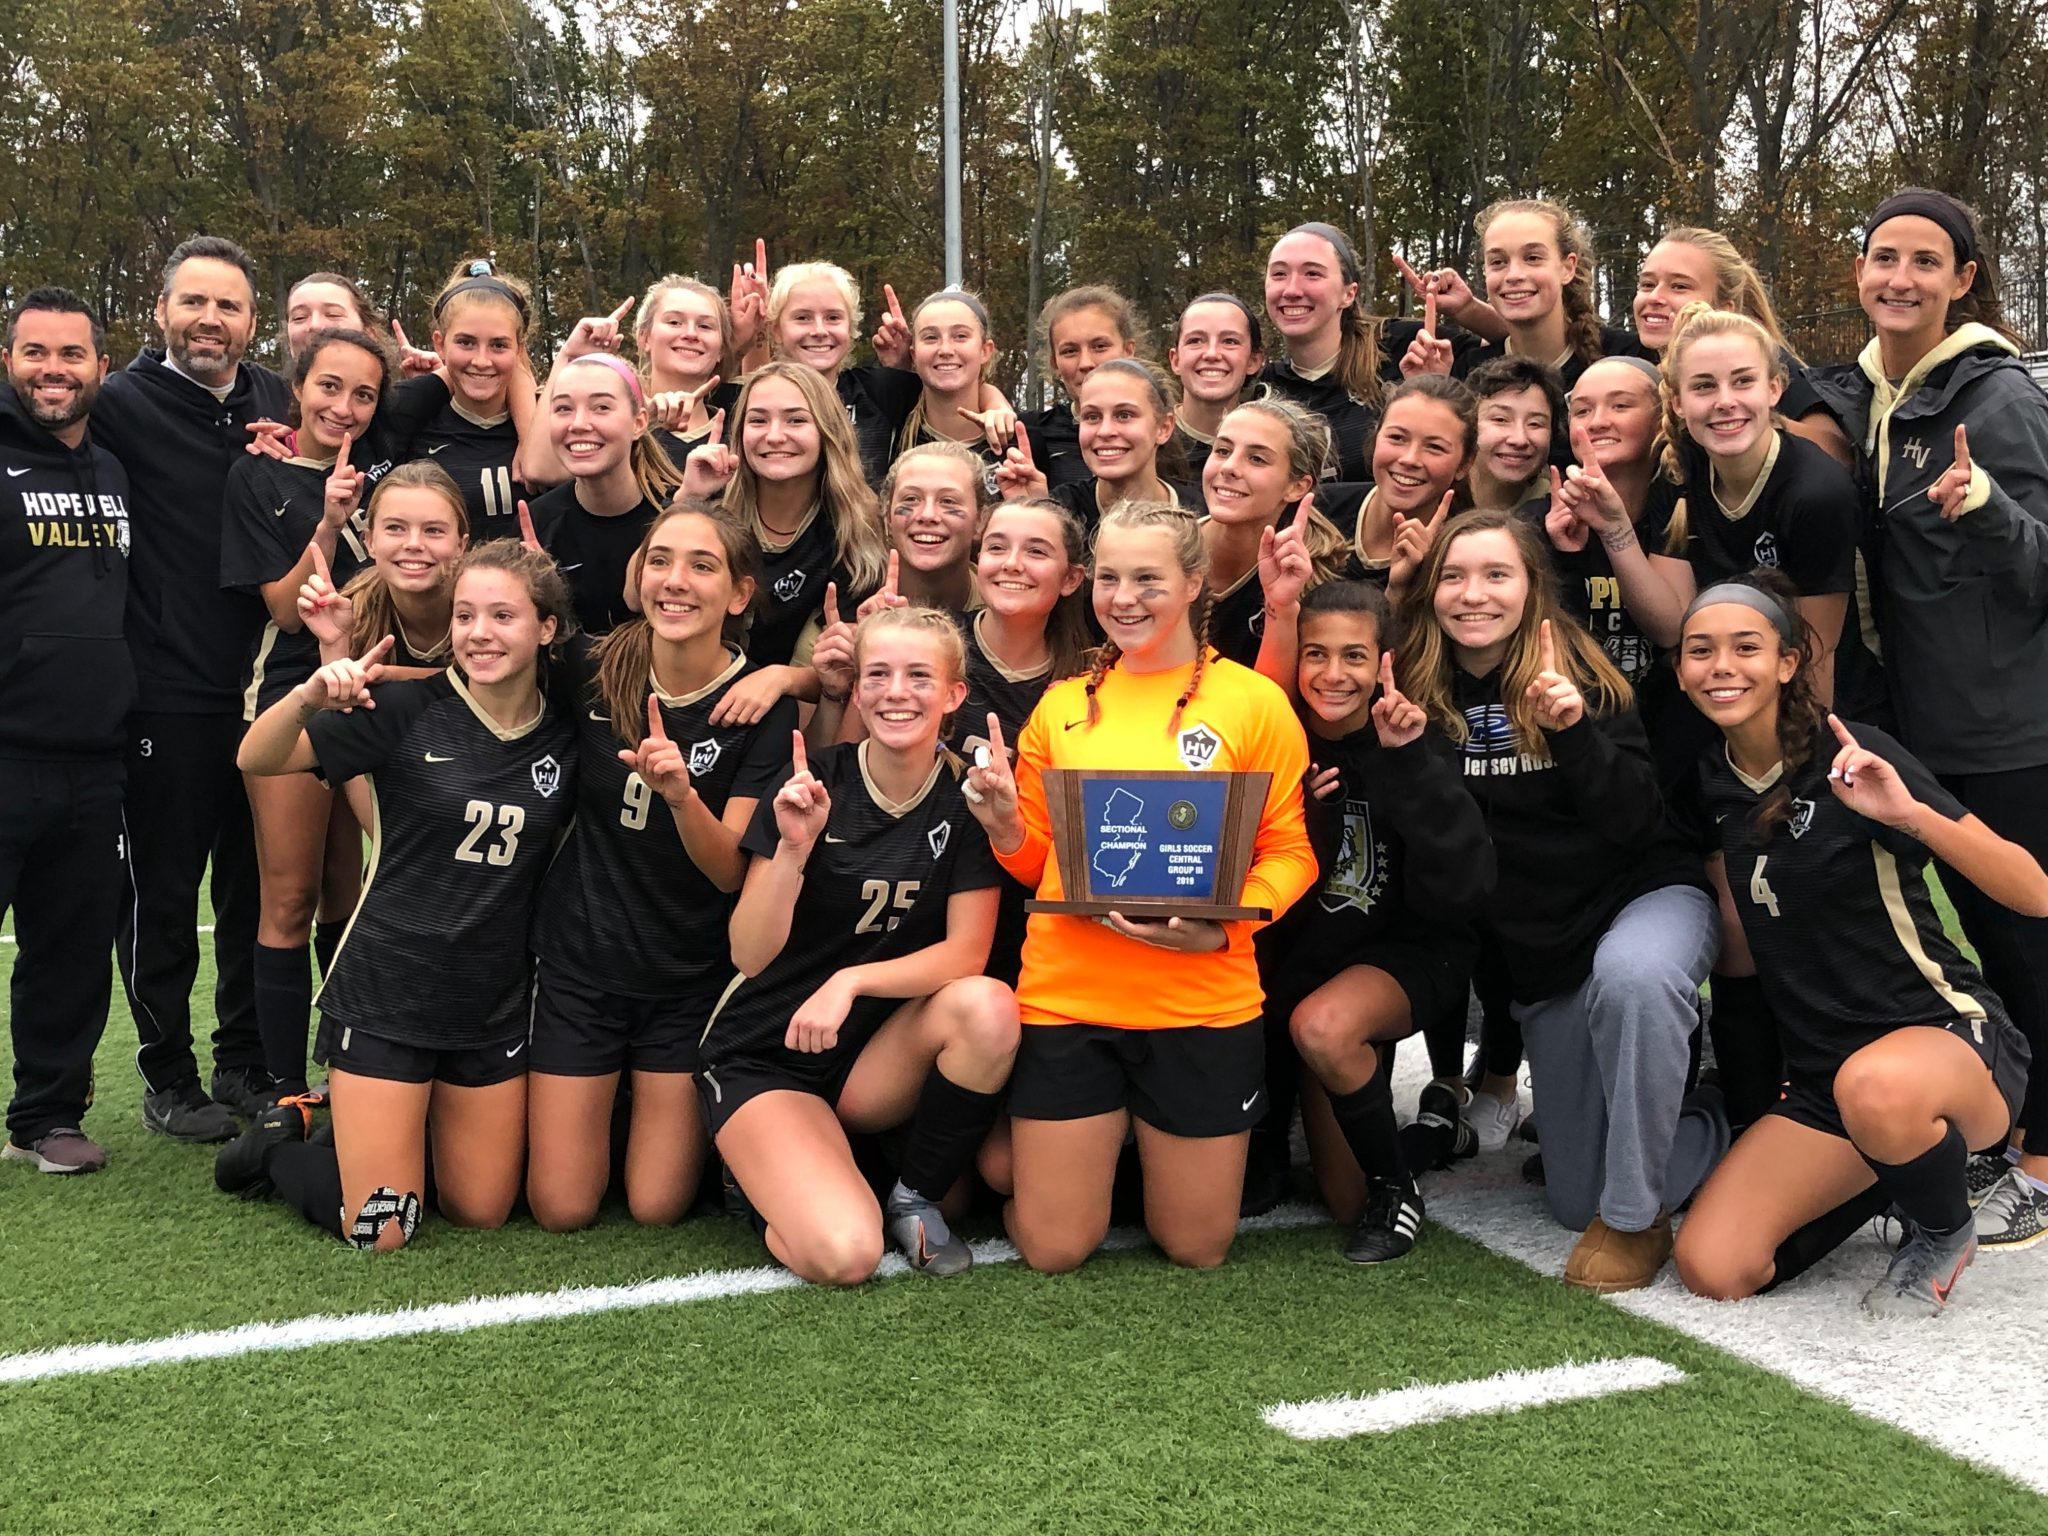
633 814
480 814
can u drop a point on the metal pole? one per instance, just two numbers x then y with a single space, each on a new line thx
952 135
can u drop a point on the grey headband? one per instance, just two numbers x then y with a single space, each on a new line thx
1749 597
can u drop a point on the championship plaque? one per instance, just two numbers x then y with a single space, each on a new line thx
1153 845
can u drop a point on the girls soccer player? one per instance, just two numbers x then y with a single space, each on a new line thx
1218 349
1384 944
1420 455
1519 402
1952 439
950 351
860 933
684 338
1080 330
471 776
797 482
417 527
1599 914
1899 1060
1124 416
619 481
1115 1031
1258 478
324 301
630 929
280 516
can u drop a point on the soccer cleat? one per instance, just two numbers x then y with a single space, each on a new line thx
64 1150
2014 1215
184 1113
248 1091
1438 1136
1389 1226
1923 1273
917 1227
1986 1171
1493 1120
238 1167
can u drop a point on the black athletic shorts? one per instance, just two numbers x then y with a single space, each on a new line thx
725 1085
1434 977
584 1031
469 1066
1809 1102
1185 1082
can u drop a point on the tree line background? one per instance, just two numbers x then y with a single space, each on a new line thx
1160 147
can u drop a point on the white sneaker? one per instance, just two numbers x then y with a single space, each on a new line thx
1492 1120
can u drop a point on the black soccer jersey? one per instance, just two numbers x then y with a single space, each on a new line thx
790 590
1800 518
464 821
624 908
593 553
1055 439
1195 450
272 510
1836 909
875 889
878 401
1353 423
993 687
477 452
1237 617
1081 498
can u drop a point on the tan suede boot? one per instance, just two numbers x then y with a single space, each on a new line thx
1606 1260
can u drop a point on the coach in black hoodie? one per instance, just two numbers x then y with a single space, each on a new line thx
176 418
65 691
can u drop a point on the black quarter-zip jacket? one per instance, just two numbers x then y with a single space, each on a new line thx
189 639
66 684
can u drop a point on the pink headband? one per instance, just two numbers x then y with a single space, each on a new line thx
619 366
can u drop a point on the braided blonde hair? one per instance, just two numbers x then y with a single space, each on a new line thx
1192 554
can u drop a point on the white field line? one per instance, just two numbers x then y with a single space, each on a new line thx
1336 1418
489 1312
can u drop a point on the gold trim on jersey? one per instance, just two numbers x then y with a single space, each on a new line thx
1194 434
774 543
369 874
502 733
882 801
1737 513
719 1007
305 463
1236 586
1358 535
680 701
1104 508
263 649
455 405
1908 934
438 652
1007 674
1754 786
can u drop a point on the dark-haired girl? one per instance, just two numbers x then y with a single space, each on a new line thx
472 774
1079 330
1519 401
630 931
1952 447
1899 1059
1150 1021
619 480
1599 913
1421 452
1218 349
282 519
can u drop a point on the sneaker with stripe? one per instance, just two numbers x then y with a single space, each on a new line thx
1923 1273
1390 1225
2014 1215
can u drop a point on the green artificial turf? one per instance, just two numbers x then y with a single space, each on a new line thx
1125 1398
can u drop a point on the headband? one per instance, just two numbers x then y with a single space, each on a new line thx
619 366
1926 205
1642 365
496 287
1751 597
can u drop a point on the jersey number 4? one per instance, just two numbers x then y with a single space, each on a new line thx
481 815
880 895
1760 890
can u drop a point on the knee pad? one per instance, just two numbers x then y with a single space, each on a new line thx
384 1206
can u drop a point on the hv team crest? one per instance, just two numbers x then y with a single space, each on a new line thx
703 757
547 776
1802 818
788 585
1199 746
938 837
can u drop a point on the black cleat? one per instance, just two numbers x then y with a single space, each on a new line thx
238 1167
183 1112
1438 1136
1390 1225
248 1091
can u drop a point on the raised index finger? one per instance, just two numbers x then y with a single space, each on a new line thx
1549 644
1963 448
1024 445
895 309
656 730
1429 310
761 262
623 310
717 428
1001 753
798 761
1442 507
1410 275
398 335
348 441
1841 731
1387 673
889 585
320 562
831 603
1582 445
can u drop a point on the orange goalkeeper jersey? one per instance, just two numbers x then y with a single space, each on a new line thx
1077 969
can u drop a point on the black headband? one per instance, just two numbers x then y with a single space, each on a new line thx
1926 205
1748 596
491 285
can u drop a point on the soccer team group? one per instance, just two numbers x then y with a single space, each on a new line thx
697 695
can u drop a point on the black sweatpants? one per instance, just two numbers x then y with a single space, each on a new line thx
2012 950
60 872
185 804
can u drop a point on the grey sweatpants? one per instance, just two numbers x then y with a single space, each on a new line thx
1607 1064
